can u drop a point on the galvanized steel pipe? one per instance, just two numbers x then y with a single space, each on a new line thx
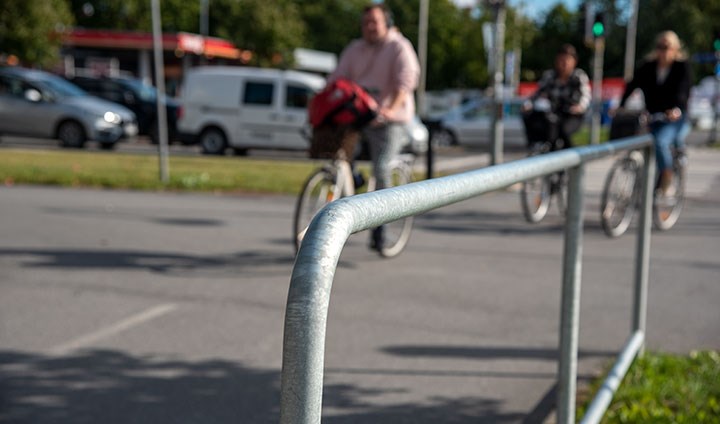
314 270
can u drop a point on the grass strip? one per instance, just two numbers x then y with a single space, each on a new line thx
141 172
666 388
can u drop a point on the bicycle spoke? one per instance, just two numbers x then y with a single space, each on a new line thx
317 192
535 198
619 197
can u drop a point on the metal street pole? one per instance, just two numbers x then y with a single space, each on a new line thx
422 56
630 41
715 130
160 84
204 17
497 129
204 25
597 90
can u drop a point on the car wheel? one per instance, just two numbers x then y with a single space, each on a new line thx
71 134
443 138
213 141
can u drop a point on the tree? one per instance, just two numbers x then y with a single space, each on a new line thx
559 26
32 29
331 24
135 15
272 30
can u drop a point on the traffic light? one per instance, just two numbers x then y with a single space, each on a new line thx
716 40
598 27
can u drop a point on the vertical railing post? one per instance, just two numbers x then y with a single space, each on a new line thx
642 253
570 303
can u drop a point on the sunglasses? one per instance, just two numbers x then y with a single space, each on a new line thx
663 47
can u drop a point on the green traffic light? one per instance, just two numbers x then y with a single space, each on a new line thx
598 29
716 44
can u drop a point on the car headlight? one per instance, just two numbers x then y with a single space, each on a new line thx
112 118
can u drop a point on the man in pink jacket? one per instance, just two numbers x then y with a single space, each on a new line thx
383 62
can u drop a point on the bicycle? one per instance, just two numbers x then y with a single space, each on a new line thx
622 190
536 193
335 180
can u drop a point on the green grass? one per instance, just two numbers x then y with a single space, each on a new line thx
141 172
664 388
582 137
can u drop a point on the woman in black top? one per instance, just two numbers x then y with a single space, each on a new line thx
665 82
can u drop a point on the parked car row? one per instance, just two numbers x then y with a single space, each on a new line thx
221 108
140 98
470 124
38 104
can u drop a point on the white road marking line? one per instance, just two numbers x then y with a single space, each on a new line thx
121 326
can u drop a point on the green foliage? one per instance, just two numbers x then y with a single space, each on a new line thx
272 30
665 388
136 15
32 29
331 24
456 57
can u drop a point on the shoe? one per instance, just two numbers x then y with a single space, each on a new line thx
377 238
669 191
666 177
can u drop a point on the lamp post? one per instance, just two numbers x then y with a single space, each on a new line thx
498 7
160 84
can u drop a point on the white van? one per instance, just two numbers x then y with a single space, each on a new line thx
246 108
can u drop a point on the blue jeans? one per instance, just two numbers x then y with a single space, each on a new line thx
385 142
668 134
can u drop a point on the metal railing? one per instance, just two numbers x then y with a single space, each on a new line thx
311 282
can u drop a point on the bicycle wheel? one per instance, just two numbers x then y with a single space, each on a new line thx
560 190
318 191
535 198
667 209
397 233
618 201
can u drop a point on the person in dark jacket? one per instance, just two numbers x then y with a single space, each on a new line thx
567 88
665 79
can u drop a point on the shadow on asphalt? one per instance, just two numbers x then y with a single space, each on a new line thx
182 265
112 387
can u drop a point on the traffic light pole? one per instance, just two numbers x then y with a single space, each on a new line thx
497 129
597 90
715 100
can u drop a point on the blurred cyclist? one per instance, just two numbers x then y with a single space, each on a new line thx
384 63
664 79
567 89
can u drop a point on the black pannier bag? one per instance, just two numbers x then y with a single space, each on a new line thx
627 123
540 127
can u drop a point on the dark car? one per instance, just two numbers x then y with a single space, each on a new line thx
136 96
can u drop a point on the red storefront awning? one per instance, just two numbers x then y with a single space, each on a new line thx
182 41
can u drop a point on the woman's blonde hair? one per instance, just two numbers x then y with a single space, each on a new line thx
674 40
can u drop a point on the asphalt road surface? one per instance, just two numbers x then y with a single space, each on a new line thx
128 307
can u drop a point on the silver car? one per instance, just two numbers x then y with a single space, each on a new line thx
469 124
38 104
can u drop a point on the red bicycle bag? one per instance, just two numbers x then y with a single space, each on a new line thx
342 103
